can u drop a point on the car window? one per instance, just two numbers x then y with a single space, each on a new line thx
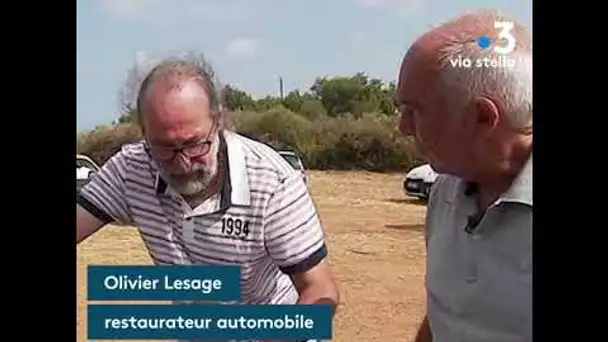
292 160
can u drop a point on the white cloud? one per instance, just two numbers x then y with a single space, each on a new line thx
243 47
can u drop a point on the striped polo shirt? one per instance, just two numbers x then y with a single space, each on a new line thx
479 265
263 218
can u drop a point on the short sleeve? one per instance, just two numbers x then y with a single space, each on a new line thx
293 233
104 195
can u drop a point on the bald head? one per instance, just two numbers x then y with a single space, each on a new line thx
174 76
463 32
449 60
465 88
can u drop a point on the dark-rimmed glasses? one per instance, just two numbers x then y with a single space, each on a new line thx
191 150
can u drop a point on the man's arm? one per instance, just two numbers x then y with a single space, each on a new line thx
86 224
317 286
424 331
101 200
295 239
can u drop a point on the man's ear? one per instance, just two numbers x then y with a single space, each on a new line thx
484 116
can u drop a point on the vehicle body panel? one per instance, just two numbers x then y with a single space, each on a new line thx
418 181
294 160
85 169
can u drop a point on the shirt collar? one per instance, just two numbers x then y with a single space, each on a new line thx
235 189
520 190
239 178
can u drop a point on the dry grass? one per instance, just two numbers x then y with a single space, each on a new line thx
377 251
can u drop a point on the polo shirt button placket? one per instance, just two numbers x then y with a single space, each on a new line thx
472 272
471 279
188 229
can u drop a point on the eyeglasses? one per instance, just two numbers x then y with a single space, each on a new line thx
192 150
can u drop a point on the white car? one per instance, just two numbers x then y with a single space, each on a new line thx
295 162
418 181
85 169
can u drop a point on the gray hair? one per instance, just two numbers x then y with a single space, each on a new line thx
174 71
510 85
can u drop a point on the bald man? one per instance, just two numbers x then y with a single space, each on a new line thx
474 125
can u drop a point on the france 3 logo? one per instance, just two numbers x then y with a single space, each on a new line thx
502 56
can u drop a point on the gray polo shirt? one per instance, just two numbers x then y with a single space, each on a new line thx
479 283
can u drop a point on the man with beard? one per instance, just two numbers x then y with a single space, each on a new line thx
474 126
201 194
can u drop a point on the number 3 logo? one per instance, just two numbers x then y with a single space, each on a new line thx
505 33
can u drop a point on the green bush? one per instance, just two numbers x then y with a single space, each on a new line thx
104 141
343 142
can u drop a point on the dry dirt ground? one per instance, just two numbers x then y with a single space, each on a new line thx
376 245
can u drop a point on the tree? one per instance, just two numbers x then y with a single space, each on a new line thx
355 95
387 103
268 102
235 99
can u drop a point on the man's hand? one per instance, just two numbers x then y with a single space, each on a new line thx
424 332
316 286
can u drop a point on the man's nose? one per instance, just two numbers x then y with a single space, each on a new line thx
182 162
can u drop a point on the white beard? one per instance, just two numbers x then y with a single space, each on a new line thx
198 178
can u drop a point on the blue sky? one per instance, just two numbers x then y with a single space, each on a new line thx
251 42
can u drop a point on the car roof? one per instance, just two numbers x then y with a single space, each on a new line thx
82 156
88 159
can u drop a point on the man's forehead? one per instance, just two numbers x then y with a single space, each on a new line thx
165 100
179 129
414 76
177 89
176 107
